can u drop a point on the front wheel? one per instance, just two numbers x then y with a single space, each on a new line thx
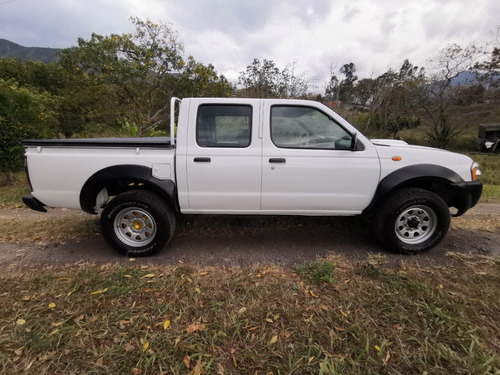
137 223
411 221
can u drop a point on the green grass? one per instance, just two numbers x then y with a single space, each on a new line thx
151 320
12 191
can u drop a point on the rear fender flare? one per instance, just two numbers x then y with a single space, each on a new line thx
114 175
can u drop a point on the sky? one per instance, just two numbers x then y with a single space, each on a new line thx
318 35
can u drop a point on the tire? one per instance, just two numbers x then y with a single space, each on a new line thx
411 221
137 223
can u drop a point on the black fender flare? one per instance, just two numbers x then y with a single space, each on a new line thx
413 175
122 174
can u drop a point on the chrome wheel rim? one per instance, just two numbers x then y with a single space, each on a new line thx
135 227
416 224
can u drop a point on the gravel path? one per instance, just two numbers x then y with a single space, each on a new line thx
247 241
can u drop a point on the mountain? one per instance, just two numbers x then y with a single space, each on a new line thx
46 55
464 78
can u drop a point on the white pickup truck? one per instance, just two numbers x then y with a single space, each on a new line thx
252 157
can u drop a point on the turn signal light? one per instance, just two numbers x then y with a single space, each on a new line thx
396 158
475 171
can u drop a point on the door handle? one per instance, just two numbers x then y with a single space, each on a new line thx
202 160
277 160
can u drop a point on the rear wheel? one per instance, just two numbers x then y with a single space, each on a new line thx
411 221
137 223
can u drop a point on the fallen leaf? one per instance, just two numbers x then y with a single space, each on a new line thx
377 347
195 327
132 259
52 305
128 347
310 359
234 362
242 310
53 332
312 294
387 357
269 320
203 273
128 276
177 340
56 324
145 346
20 322
274 340
100 291
19 352
29 365
148 276
187 361
197 369
166 325
323 307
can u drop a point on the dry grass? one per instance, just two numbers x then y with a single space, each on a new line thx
179 320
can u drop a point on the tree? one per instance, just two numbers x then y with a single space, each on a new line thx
135 69
346 85
341 89
389 99
24 113
489 70
197 79
266 80
438 95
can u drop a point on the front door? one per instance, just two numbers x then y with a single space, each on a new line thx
308 166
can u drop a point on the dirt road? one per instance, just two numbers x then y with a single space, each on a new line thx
282 241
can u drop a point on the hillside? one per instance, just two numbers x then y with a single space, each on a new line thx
9 49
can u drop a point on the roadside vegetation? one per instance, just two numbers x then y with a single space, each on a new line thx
357 318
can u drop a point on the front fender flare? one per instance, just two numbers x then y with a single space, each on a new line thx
413 175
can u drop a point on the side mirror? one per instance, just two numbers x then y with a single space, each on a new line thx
354 142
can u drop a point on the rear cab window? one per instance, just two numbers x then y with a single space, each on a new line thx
219 125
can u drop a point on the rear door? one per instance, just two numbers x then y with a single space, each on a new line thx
223 158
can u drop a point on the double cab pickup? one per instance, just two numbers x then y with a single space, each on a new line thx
252 157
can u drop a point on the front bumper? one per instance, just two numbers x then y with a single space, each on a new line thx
467 194
33 203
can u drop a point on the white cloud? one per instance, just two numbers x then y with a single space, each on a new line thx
230 34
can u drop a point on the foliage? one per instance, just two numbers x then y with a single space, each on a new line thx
135 70
198 80
24 113
265 80
438 95
130 129
342 89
